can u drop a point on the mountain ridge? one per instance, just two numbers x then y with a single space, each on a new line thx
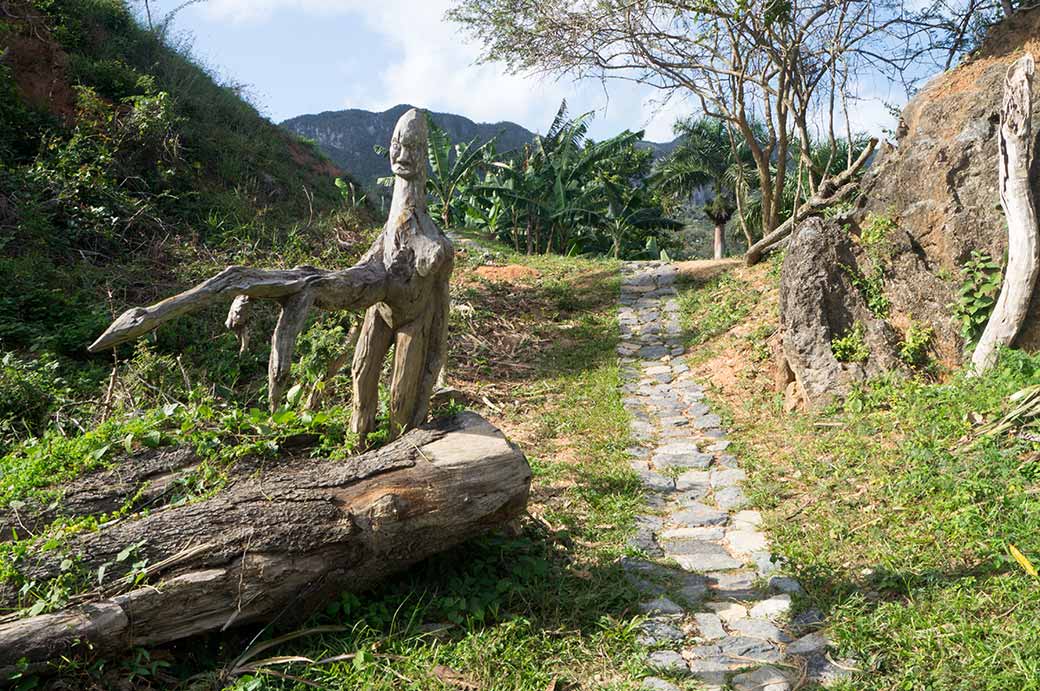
348 136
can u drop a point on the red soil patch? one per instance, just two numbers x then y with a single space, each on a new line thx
511 273
1006 43
39 66
704 269
304 158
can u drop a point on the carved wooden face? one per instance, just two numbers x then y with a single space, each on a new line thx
408 146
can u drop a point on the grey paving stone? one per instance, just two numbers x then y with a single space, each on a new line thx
698 409
821 670
710 626
735 585
773 607
693 481
762 679
728 611
727 461
760 628
656 481
749 650
747 518
644 541
661 605
695 460
697 514
699 555
764 563
727 477
810 618
715 671
668 662
690 497
712 533
657 631
707 421
810 643
652 352
730 498
658 684
746 541
785 584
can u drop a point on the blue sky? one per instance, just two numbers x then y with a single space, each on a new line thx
307 56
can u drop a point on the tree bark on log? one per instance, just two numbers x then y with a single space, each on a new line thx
277 543
1016 197
830 191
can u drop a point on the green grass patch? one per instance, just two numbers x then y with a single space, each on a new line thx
713 307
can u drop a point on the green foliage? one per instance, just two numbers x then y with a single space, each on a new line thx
981 278
916 342
564 193
851 347
716 306
871 287
909 552
30 391
875 236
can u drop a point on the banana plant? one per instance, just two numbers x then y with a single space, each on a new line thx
453 168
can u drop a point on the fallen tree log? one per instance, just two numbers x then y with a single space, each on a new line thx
1016 197
275 544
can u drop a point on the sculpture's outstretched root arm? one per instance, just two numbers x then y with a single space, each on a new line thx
354 288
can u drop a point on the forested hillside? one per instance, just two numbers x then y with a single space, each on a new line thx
125 169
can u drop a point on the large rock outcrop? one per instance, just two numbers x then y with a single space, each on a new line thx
818 304
939 183
935 192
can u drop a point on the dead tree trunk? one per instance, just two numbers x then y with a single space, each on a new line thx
276 543
1016 196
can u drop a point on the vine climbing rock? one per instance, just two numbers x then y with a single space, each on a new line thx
402 282
717 607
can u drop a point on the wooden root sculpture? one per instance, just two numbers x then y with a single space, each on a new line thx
402 281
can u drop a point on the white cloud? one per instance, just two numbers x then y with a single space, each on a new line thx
434 66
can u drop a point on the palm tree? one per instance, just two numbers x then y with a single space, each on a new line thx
708 156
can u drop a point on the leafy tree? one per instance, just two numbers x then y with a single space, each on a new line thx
742 61
565 193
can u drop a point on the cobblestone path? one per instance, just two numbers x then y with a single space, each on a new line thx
717 610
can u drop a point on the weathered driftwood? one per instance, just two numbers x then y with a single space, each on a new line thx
1016 197
278 543
832 190
402 281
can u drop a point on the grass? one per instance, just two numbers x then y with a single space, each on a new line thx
546 605
898 528
712 307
